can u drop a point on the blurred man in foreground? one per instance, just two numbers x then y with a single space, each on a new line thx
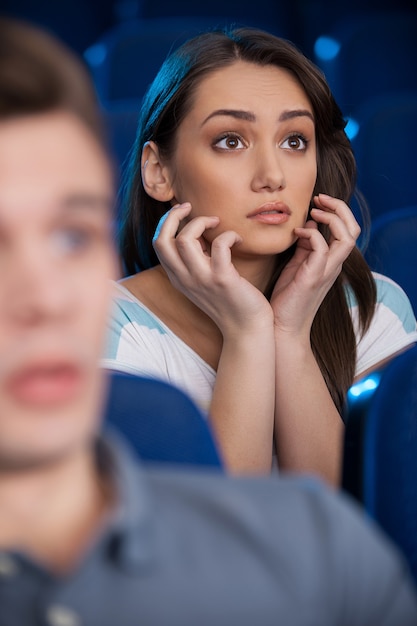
87 535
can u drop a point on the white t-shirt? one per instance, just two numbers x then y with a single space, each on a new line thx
140 343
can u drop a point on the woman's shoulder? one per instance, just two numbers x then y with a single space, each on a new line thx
139 285
388 294
139 288
130 304
392 328
392 296
122 292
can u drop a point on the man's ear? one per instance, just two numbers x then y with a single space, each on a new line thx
155 175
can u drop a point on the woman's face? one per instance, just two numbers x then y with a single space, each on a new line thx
246 152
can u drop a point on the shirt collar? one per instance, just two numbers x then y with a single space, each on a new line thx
129 532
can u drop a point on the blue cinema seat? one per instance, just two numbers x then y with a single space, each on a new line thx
125 60
369 54
279 17
389 473
392 248
161 423
121 120
384 144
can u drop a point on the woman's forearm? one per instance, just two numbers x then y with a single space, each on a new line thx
308 427
242 409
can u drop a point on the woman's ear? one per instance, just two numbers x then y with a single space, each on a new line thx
155 176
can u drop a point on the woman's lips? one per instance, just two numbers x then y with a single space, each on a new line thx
271 213
45 385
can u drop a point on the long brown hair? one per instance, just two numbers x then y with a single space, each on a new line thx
167 103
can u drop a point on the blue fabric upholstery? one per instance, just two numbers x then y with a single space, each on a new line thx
390 454
121 120
161 423
392 248
372 56
126 59
384 148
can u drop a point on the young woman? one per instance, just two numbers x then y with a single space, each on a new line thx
250 293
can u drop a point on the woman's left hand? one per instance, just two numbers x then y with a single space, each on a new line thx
308 276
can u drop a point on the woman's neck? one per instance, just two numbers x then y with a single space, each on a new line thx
186 320
258 272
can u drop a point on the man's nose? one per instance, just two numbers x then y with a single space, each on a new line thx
35 288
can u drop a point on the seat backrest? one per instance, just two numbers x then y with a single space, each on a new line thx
121 120
371 53
126 59
384 148
161 423
390 454
278 17
392 249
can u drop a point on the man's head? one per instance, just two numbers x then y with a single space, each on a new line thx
56 250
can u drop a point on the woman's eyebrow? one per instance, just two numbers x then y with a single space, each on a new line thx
248 116
236 113
292 113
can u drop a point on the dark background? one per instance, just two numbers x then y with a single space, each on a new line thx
81 22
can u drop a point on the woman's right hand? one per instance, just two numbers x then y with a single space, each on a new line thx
205 274
242 417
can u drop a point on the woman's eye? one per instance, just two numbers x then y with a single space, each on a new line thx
229 142
295 142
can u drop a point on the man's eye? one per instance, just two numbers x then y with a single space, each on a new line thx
70 240
295 142
229 142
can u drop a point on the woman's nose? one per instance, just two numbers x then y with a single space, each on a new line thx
268 172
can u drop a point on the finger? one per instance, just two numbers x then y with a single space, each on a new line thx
168 244
311 238
311 224
219 260
338 227
312 245
164 238
195 228
221 255
338 250
169 223
341 209
189 241
342 242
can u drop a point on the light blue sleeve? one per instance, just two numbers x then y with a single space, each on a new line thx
393 327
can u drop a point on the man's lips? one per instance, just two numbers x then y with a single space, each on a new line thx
271 213
45 384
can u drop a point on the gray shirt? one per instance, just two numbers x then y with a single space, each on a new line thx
196 548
